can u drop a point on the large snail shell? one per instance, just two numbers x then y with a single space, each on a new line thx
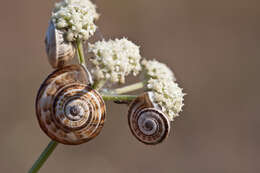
146 121
59 51
68 110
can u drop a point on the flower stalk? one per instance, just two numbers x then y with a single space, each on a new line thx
129 88
119 98
43 157
80 52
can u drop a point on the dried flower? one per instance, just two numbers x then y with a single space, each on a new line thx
166 93
115 59
76 17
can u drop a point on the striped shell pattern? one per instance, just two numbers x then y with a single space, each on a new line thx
69 111
146 120
59 51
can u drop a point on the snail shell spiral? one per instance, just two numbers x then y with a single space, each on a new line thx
68 110
147 122
59 51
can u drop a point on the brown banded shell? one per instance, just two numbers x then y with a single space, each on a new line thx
59 51
146 121
68 110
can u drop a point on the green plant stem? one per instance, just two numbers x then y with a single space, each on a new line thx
113 97
43 157
129 88
80 52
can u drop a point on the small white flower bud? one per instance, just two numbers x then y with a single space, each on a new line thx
61 23
70 36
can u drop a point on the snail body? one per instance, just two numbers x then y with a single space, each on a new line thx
146 121
59 51
69 111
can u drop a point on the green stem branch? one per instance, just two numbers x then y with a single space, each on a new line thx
43 157
80 52
113 97
129 88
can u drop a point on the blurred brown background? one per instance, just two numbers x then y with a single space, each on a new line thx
213 48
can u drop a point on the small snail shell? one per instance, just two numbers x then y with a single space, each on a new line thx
68 110
146 121
59 51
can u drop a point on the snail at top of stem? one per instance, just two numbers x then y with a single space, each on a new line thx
58 49
69 111
146 121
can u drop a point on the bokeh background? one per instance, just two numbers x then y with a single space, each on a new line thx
213 48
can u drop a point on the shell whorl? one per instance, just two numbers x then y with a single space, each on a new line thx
59 51
146 121
68 110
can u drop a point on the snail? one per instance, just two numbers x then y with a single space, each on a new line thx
59 51
68 110
146 120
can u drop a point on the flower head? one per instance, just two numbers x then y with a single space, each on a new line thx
168 95
76 17
115 59
157 70
166 92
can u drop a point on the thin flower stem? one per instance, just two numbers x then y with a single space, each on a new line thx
80 52
129 88
43 157
113 97
81 58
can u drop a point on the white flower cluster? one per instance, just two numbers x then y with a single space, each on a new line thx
166 93
76 17
115 59
157 70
